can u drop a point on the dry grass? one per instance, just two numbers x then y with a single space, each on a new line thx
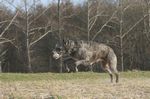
82 86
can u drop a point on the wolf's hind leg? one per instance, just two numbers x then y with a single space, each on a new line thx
105 67
113 67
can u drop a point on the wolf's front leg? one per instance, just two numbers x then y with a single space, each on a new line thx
79 62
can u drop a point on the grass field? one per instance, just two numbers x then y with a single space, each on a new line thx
82 85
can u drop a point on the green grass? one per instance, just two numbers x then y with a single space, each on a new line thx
137 74
81 85
46 76
66 76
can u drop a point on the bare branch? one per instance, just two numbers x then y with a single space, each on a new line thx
133 26
115 22
38 28
1 25
5 40
66 8
126 7
3 53
92 24
9 24
39 15
104 24
78 28
100 14
109 26
4 21
67 17
32 43
147 37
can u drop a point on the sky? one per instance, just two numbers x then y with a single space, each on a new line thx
17 3
45 2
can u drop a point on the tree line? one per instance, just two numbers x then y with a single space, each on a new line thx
29 32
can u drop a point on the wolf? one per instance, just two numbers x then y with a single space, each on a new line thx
89 53
68 62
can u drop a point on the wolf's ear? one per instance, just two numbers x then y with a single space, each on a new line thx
63 42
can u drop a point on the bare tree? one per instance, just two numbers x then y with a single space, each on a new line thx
32 41
32 36
106 23
121 33
63 14
92 17
59 31
4 39
124 31
146 10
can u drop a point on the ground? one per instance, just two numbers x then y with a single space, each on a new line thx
83 85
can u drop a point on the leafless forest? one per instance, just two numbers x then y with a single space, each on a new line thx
30 30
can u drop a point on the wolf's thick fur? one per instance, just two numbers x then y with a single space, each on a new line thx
88 53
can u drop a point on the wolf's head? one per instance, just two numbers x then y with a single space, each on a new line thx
57 51
68 47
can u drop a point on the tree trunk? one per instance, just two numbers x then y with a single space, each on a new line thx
149 17
59 32
0 67
27 39
88 18
121 36
121 54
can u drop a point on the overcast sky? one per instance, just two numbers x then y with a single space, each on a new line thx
45 2
17 3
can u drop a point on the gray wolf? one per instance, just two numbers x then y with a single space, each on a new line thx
89 53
